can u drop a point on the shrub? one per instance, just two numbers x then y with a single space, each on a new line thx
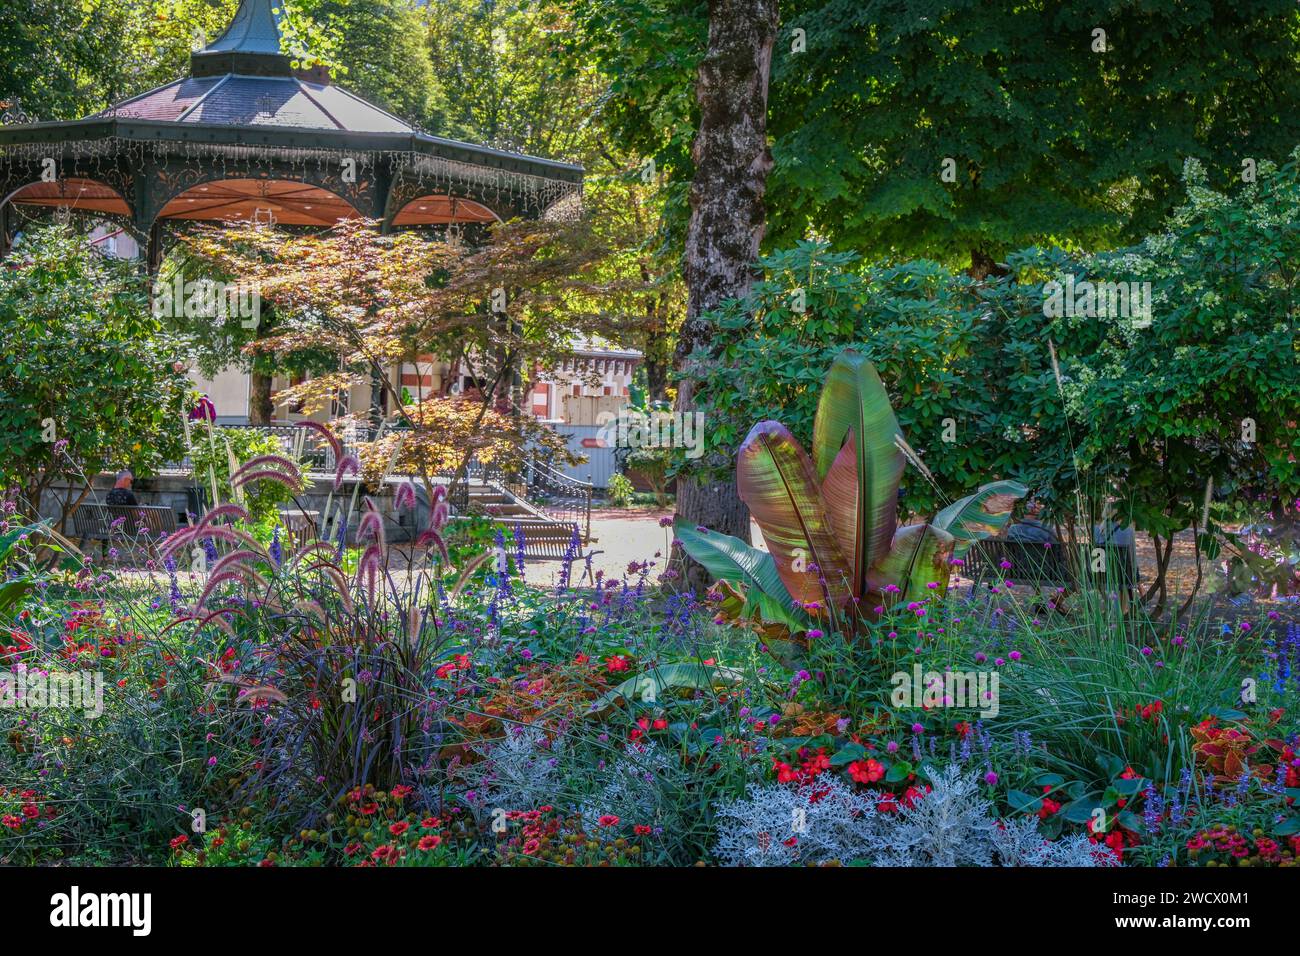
620 490
87 381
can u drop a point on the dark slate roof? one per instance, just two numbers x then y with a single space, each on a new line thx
284 101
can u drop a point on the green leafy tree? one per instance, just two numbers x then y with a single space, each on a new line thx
381 48
1056 134
210 455
500 80
87 380
1088 406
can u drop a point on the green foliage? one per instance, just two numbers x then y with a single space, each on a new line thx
87 382
1222 348
381 48
497 79
1051 140
208 453
620 490
1144 414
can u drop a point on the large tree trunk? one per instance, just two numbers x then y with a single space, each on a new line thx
260 407
727 221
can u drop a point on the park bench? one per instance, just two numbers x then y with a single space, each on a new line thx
547 540
1033 562
129 524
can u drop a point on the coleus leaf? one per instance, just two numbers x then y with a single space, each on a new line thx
775 479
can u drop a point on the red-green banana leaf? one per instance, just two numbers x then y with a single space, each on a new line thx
840 497
730 559
775 479
782 632
918 557
980 515
854 404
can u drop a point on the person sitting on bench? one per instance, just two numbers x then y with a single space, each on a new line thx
122 493
1030 529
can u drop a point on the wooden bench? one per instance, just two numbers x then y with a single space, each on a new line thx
547 540
129 524
1033 562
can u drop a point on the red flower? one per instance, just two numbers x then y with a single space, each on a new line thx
866 771
398 828
179 842
616 664
429 842
641 830
608 820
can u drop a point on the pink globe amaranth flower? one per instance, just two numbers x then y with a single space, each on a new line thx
815 633
917 728
991 778
892 747
1147 652
1245 625
998 661
1179 641
879 609
1014 655
932 585
1272 615
981 657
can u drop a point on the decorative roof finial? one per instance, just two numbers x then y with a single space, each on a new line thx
255 29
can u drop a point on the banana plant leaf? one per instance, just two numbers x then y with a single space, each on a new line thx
979 515
776 481
730 559
11 592
657 681
840 497
854 406
918 557
782 632
747 605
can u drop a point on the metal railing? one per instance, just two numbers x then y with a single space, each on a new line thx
317 455
532 482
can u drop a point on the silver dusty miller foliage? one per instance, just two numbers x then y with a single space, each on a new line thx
638 787
827 820
521 772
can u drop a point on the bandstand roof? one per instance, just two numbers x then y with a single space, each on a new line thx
245 135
